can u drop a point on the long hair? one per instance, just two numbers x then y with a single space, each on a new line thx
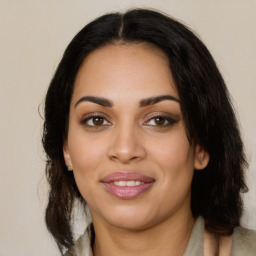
205 104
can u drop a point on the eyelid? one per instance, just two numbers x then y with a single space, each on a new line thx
95 114
161 114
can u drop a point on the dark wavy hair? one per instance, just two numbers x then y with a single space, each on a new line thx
205 104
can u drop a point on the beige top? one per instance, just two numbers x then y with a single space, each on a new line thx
243 242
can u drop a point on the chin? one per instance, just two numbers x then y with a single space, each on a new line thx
130 218
131 224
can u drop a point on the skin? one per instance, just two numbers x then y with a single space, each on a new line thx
129 137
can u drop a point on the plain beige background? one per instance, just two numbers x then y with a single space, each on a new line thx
33 36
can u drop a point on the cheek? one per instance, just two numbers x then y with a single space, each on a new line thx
86 160
85 151
86 156
174 153
175 161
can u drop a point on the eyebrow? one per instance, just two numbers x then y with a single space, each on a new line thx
98 100
154 100
143 103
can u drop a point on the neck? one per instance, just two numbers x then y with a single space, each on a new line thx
169 237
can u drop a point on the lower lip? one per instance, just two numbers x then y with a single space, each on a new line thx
127 192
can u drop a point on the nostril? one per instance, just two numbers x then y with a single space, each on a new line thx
126 147
126 157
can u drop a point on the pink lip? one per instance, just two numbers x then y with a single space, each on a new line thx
127 192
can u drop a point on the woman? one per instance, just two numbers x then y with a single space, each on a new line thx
140 128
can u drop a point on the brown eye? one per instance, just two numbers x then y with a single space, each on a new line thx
97 120
160 121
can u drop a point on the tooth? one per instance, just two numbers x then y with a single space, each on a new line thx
130 183
122 183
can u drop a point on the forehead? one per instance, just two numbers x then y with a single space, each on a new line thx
125 70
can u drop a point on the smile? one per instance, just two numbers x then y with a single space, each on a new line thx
130 183
127 185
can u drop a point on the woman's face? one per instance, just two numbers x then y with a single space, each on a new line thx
127 142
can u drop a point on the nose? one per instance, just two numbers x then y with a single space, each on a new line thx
126 145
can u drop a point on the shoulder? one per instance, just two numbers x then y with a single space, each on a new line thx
243 242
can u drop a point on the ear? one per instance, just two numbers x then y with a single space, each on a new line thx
66 153
201 158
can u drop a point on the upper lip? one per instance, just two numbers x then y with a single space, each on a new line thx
126 176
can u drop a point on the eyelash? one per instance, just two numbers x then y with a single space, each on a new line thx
168 121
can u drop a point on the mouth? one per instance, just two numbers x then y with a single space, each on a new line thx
127 185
